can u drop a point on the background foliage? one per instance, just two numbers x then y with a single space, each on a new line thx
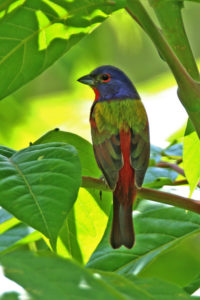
44 226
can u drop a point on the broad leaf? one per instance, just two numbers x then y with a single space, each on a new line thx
167 244
34 34
88 164
39 185
50 277
151 288
85 225
8 152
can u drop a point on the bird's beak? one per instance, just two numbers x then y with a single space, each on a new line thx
87 79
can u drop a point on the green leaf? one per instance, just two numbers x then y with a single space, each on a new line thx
193 286
7 221
157 177
85 225
84 148
191 155
138 288
167 244
10 296
13 235
155 155
34 34
39 185
8 152
35 274
174 151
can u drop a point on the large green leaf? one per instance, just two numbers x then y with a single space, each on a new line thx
153 288
88 164
34 34
39 185
50 277
86 223
167 244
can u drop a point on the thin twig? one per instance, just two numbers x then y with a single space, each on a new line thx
150 194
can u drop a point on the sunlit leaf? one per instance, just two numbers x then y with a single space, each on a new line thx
167 244
34 34
191 155
39 185
85 225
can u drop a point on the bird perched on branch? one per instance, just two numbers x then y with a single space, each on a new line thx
120 135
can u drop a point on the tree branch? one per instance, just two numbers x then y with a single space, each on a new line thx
150 194
189 89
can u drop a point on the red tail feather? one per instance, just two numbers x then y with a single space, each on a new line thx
124 194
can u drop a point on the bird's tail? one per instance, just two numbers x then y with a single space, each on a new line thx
122 232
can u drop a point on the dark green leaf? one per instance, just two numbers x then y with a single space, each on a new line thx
83 147
141 288
10 296
8 152
11 236
39 185
34 34
69 280
167 244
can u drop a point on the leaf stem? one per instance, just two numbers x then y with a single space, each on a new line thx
150 194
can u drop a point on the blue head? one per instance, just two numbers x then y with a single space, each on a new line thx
110 83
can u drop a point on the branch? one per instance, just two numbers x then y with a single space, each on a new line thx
189 89
150 194
174 167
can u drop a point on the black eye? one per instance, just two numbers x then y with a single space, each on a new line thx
105 77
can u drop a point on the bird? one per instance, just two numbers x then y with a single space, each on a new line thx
120 137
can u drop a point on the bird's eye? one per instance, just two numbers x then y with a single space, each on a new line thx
105 77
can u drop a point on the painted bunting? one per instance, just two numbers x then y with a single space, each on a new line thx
120 135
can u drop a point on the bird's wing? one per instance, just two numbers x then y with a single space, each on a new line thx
107 150
108 156
140 149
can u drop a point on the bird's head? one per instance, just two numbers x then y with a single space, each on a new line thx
110 83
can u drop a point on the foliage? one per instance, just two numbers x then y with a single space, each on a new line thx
56 211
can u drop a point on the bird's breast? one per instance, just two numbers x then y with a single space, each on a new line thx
121 114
